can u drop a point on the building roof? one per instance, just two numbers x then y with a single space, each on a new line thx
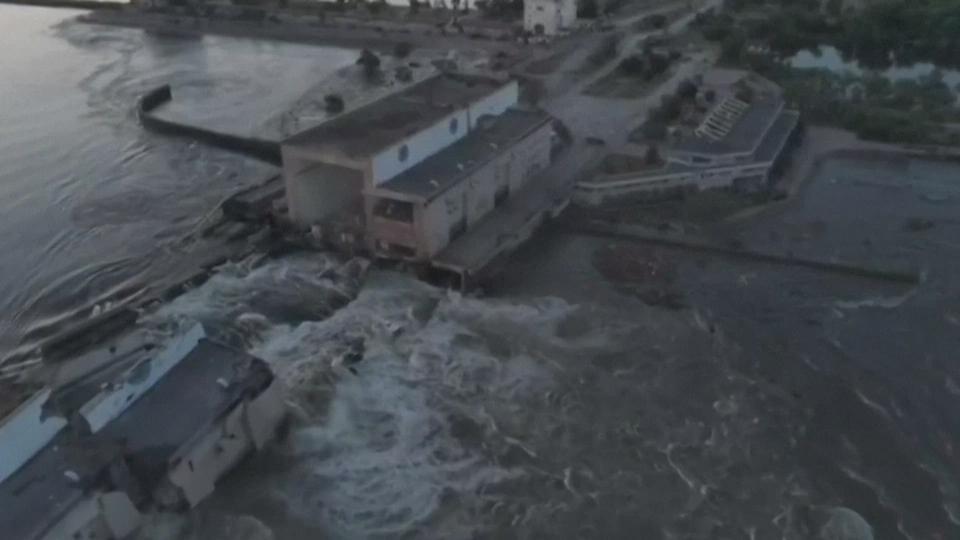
744 135
151 431
434 175
777 136
378 125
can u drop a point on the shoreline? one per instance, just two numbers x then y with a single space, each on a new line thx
823 143
359 35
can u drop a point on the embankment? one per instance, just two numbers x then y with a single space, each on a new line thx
264 150
70 4
643 234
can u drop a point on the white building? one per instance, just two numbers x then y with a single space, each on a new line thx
549 17
405 176
739 145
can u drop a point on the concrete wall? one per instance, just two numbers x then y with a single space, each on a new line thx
25 431
542 17
316 191
496 103
263 150
247 427
111 403
420 146
473 197
104 516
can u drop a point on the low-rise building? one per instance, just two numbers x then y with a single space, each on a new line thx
405 176
739 144
549 17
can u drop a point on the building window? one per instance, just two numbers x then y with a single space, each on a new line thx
454 124
403 153
394 210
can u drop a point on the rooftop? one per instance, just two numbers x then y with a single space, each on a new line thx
444 169
777 135
378 125
151 431
742 136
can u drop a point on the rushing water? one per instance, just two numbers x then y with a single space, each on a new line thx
90 202
780 403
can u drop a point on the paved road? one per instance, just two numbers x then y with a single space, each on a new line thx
612 119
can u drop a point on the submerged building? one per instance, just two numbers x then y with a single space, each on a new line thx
86 458
408 175
740 143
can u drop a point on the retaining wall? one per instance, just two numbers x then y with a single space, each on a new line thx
263 150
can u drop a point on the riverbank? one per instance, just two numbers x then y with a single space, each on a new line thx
358 34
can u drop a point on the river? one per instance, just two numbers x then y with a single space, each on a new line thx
90 202
779 403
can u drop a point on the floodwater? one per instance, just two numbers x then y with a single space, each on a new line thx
90 202
830 58
779 403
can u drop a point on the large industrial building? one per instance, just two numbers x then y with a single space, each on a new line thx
405 176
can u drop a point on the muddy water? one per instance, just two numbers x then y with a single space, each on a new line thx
513 417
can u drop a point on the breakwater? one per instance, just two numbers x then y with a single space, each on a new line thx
643 234
264 150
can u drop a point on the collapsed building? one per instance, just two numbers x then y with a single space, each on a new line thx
128 428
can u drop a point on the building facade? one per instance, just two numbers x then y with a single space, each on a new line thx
405 176
549 17
740 144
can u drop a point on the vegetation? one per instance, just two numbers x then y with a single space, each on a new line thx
605 51
333 103
500 9
370 63
761 34
402 49
647 65
587 9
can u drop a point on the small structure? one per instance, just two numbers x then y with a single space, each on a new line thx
405 176
739 144
549 17
82 460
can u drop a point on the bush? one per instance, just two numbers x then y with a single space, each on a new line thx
587 9
404 74
333 103
369 61
402 49
687 90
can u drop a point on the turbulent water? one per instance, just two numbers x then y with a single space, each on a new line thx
778 403
501 418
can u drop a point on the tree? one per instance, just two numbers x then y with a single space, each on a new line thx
414 7
834 8
733 47
654 130
687 90
333 103
587 9
402 49
652 156
370 62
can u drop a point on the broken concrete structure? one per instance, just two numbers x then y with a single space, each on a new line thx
84 459
549 17
405 176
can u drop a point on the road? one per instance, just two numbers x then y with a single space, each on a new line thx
612 119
